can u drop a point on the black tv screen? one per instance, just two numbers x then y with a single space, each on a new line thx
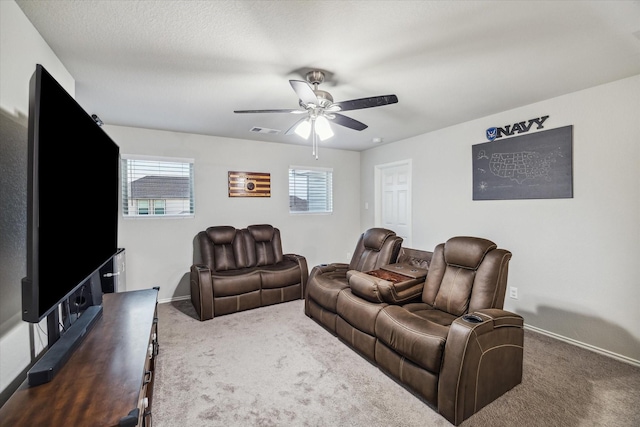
72 197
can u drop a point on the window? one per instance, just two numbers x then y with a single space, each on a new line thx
310 190
157 187
143 207
158 207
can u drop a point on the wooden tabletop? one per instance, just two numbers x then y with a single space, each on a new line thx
101 381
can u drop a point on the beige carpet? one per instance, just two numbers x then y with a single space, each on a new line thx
273 366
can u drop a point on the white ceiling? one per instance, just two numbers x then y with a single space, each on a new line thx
187 65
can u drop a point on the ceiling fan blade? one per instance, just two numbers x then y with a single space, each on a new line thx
272 111
304 91
374 101
345 121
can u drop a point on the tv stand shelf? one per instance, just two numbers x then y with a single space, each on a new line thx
107 381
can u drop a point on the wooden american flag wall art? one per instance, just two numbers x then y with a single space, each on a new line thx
249 184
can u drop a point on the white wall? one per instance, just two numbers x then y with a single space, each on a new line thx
21 48
574 260
159 251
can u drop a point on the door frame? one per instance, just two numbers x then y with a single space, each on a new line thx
378 169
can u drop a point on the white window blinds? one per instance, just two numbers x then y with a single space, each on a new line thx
310 190
157 187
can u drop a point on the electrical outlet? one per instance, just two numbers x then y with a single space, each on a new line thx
513 292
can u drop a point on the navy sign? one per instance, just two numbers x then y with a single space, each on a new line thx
520 127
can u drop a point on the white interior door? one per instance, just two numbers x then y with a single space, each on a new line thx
393 198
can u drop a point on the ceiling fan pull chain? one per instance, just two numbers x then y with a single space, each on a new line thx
314 143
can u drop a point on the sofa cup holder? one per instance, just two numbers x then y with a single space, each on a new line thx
472 318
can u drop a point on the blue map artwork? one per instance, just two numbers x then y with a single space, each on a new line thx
532 166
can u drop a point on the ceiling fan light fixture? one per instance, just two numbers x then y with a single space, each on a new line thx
323 128
319 106
303 129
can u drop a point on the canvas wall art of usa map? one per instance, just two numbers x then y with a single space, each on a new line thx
530 166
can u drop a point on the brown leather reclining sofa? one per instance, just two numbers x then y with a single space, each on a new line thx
240 269
452 345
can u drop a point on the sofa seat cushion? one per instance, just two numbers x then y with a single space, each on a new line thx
412 336
425 311
284 273
235 282
324 289
358 312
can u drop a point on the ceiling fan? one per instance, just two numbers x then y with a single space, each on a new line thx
319 109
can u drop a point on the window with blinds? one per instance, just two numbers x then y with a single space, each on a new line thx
310 190
156 187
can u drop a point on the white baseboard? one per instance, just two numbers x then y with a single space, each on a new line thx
590 347
182 298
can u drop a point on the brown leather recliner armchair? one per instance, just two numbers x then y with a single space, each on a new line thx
376 247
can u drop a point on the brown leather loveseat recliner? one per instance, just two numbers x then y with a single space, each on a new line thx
455 347
240 269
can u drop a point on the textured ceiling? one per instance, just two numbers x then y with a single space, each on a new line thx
187 65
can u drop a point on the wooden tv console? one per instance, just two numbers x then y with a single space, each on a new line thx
107 381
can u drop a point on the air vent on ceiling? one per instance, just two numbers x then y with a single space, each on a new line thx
264 130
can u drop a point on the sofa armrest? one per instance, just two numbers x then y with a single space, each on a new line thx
376 289
328 268
337 268
482 360
202 291
366 286
304 269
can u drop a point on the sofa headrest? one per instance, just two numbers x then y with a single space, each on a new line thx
374 238
261 232
467 252
221 234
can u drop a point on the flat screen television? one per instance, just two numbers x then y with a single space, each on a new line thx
72 197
